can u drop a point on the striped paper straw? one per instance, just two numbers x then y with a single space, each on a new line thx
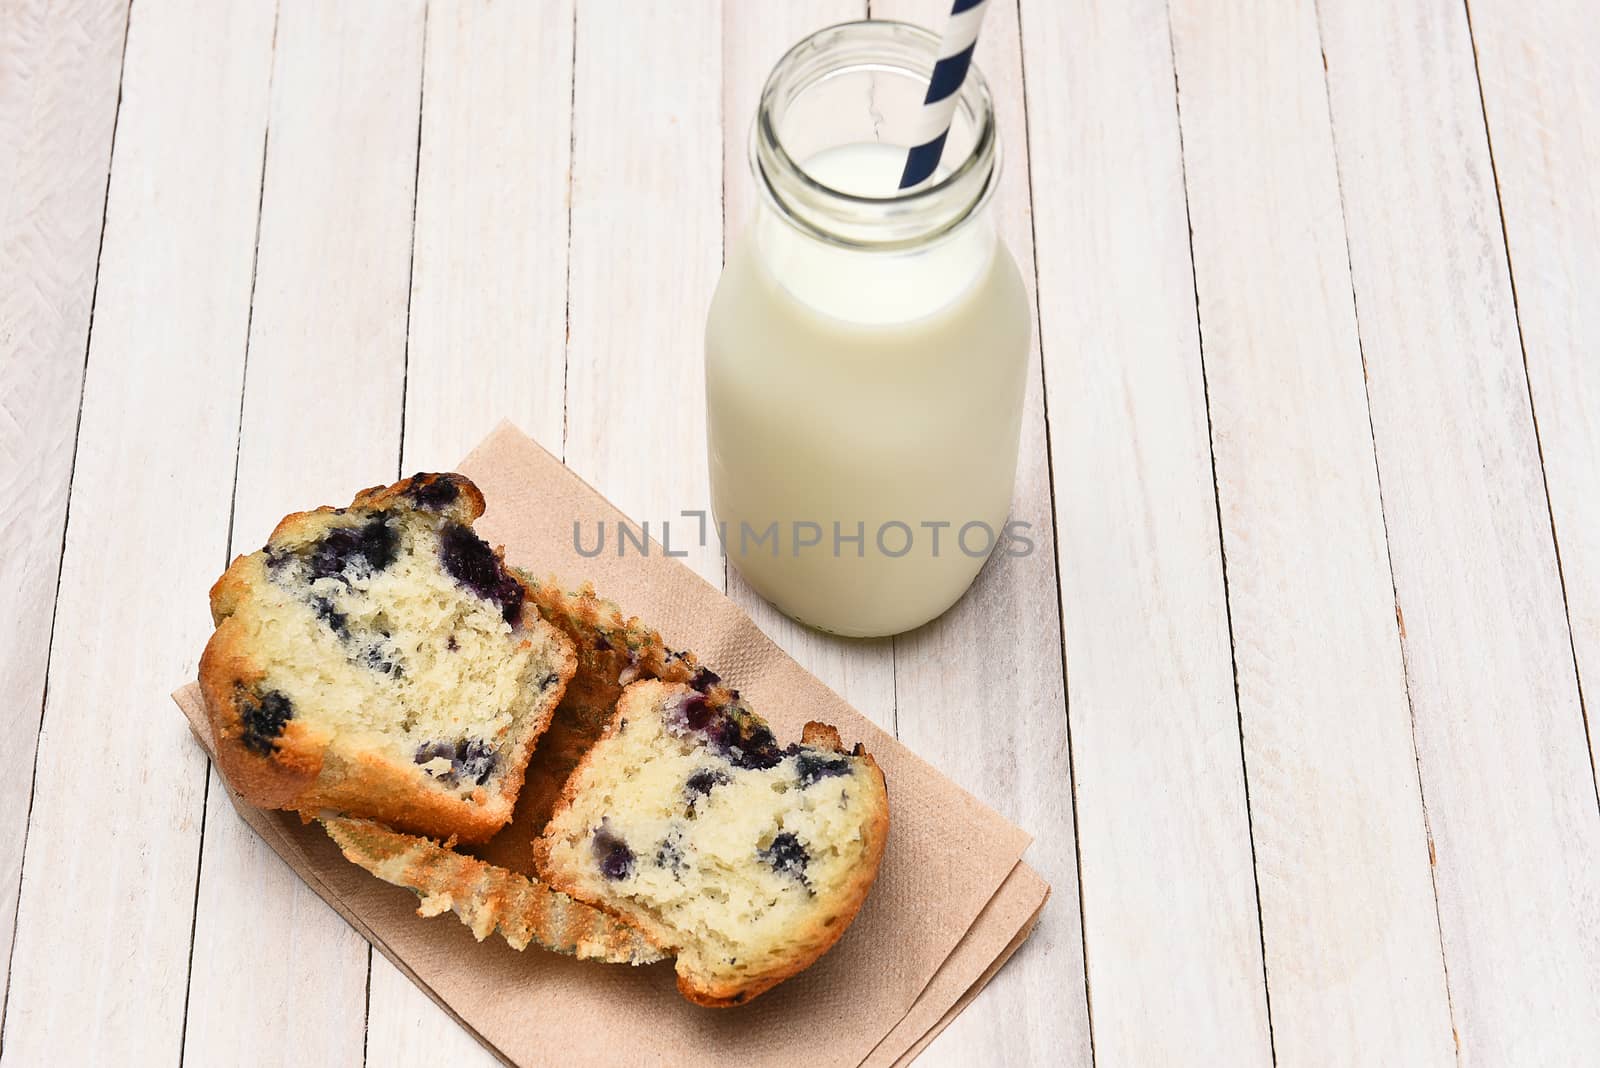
939 106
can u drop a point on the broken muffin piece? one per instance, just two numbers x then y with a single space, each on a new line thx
745 858
379 660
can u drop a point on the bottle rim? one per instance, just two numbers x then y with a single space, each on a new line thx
907 218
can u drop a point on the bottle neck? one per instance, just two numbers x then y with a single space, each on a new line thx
830 134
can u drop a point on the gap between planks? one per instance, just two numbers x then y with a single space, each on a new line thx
1533 407
1222 548
233 498
1383 512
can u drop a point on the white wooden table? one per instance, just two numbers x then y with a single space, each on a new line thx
1291 698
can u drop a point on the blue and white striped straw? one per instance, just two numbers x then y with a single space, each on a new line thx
939 105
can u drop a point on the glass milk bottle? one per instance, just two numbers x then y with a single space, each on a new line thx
866 349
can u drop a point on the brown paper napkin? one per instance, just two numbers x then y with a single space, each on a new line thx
951 903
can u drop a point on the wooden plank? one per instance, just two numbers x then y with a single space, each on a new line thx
999 648
754 38
321 418
1541 100
1499 726
104 922
1350 926
488 311
646 206
489 275
59 78
1169 905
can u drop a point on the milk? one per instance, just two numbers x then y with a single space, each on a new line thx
868 404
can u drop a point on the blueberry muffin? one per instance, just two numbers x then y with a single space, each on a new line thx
381 660
745 859
487 898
